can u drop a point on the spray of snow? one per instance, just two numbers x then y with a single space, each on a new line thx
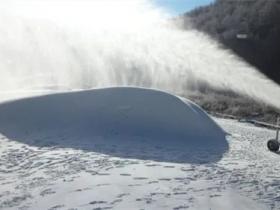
87 44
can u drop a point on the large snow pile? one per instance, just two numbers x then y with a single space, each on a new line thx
131 117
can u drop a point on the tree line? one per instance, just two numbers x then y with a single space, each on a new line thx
251 28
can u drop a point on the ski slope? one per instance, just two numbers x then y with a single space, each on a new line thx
46 162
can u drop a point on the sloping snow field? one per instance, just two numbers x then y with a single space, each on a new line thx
43 173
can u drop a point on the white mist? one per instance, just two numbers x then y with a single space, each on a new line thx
86 44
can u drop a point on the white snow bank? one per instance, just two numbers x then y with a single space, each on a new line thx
111 114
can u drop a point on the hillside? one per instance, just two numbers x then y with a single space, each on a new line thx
250 28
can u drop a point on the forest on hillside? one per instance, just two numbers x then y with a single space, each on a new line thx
251 28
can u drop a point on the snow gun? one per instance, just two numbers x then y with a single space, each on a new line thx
273 144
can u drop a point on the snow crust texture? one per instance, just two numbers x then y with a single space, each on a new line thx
247 177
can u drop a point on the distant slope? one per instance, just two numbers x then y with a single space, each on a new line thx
228 21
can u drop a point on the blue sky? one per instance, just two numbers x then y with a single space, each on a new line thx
181 6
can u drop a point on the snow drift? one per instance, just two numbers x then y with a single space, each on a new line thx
131 117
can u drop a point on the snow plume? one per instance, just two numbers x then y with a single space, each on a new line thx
86 44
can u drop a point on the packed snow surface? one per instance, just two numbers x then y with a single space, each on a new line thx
50 163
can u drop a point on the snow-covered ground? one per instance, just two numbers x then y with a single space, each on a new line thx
43 174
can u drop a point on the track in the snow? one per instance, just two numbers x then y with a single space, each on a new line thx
55 178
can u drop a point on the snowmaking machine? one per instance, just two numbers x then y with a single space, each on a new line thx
273 144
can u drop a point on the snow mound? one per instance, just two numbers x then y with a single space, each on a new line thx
121 115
